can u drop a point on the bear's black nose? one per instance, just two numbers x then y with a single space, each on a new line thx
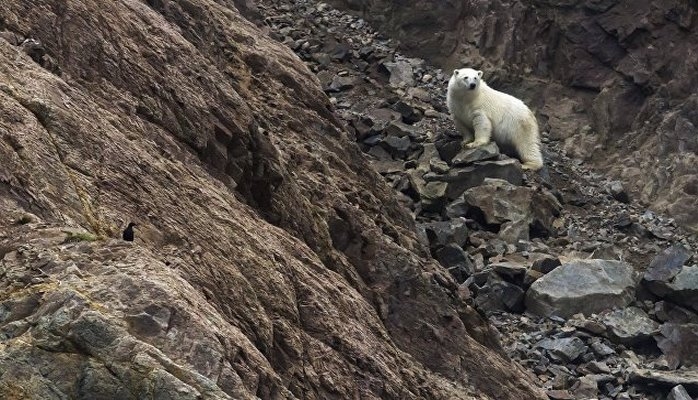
472 86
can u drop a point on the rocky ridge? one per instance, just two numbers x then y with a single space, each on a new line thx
270 261
513 241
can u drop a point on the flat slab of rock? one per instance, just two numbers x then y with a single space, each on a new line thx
482 153
567 349
463 178
629 325
582 286
688 378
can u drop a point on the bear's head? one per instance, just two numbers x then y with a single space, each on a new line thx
466 79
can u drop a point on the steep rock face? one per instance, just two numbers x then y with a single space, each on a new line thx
269 260
615 79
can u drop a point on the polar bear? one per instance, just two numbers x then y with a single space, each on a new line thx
491 114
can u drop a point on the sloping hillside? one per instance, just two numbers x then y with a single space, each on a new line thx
269 262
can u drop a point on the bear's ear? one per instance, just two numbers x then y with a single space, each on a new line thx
455 72
479 74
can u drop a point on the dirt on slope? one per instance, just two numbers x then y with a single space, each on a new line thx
270 261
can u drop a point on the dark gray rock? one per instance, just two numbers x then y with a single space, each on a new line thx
498 295
678 392
587 387
688 378
684 289
546 264
365 52
433 196
448 147
482 153
341 52
456 261
396 146
341 83
629 325
438 166
565 349
401 73
668 277
665 311
441 233
679 342
463 178
457 208
618 192
517 209
582 286
512 271
380 118
664 267
401 129
601 349
409 114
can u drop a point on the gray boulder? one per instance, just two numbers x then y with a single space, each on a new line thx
565 349
688 378
678 392
400 73
463 178
441 233
482 153
517 210
582 286
629 325
499 295
679 342
668 277
456 261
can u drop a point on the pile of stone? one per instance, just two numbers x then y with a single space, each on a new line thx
554 260
597 329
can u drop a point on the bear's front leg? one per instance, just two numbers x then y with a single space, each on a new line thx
483 130
465 131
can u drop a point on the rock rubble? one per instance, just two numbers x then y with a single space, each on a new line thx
569 241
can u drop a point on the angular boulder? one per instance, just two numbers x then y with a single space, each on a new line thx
482 153
582 286
463 178
518 210
679 342
668 277
629 325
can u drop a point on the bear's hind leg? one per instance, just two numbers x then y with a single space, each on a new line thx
531 157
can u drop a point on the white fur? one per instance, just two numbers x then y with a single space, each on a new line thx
491 114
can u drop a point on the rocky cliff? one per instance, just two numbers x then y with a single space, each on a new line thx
270 261
615 80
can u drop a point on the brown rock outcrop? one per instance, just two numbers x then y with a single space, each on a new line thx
615 79
270 261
